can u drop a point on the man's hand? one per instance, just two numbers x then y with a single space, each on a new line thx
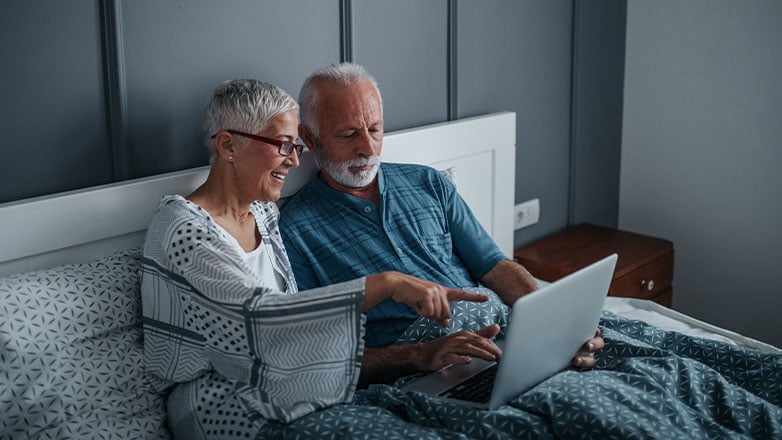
428 299
586 358
386 364
457 349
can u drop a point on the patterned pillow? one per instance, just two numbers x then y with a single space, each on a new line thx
71 363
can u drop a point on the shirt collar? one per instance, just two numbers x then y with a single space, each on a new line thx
323 188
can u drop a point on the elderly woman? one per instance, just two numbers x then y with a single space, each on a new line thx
224 327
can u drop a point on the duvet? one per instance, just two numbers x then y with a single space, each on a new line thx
648 383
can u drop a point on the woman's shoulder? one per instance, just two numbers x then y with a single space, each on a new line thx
176 212
265 209
177 227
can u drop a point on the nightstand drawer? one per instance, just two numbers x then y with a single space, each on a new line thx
647 281
641 258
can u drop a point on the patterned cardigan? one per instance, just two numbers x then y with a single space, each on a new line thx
285 354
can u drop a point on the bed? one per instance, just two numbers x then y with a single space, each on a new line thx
70 335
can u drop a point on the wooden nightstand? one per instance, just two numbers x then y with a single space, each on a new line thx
644 269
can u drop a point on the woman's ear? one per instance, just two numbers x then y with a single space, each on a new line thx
225 146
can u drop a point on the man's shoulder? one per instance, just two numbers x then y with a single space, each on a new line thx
415 179
306 194
414 173
301 205
407 168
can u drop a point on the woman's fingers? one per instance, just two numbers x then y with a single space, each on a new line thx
429 299
436 308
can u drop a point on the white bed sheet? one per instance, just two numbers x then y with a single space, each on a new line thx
668 319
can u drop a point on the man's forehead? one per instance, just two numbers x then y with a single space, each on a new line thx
343 103
334 91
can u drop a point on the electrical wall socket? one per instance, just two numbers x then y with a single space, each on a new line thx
525 214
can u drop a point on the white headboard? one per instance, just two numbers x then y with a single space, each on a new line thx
82 225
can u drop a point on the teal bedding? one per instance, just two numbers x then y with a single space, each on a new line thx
648 383
71 367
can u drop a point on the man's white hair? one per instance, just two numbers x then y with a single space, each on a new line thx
342 73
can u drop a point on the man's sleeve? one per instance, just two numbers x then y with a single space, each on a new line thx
471 243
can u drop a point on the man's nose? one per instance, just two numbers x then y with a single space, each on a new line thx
365 144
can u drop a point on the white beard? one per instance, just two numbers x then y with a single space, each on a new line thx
340 171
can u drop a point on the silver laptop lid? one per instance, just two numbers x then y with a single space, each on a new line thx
549 326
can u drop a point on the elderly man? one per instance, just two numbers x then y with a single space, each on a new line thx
359 217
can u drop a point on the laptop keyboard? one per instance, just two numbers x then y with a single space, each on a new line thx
475 389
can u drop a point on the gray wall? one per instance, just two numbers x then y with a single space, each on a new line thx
702 147
53 125
598 92
95 91
517 55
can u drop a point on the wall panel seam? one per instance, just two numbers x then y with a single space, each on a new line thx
345 31
115 87
573 153
452 68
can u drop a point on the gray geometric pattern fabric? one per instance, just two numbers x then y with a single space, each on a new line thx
71 351
210 325
648 383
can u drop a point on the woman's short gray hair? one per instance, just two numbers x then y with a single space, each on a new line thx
342 73
242 104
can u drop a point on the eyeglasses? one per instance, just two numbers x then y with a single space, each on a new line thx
284 148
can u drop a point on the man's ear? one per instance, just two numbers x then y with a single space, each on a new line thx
225 146
305 134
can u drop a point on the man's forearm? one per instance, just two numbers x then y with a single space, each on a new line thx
386 364
509 280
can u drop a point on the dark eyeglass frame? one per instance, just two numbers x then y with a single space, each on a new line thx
284 148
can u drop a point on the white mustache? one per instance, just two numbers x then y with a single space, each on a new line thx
362 162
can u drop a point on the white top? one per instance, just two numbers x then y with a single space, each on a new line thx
260 261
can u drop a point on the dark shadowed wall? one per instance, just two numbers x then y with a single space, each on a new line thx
96 91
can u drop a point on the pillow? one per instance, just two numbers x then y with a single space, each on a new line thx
71 354
450 174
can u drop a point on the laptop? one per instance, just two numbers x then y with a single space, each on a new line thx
548 328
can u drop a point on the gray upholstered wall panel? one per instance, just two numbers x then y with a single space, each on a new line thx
516 55
598 87
53 129
106 90
177 52
403 43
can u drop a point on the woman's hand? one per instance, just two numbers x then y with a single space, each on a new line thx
428 299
